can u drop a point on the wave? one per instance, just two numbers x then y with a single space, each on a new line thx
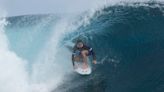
128 41
127 38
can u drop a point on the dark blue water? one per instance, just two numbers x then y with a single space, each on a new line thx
129 43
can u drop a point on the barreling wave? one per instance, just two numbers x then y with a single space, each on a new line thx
128 40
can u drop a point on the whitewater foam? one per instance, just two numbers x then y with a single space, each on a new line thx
13 75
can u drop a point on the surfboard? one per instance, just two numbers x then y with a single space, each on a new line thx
79 68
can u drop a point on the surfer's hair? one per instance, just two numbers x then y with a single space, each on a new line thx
78 41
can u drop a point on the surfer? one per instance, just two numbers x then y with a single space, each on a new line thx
82 51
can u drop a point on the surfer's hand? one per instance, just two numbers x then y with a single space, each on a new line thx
94 62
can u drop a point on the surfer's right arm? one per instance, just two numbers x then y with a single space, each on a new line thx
73 60
73 56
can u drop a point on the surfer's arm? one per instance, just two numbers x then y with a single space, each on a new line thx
73 56
92 53
73 59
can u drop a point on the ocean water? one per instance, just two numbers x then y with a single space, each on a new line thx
128 39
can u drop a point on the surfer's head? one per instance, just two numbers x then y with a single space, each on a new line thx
79 44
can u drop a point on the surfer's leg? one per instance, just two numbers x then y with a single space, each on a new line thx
77 58
84 54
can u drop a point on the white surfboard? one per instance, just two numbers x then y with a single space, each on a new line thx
79 68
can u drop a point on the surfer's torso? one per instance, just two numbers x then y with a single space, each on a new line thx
77 51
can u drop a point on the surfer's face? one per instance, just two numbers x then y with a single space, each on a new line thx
80 45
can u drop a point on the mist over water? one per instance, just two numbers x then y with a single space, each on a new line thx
12 67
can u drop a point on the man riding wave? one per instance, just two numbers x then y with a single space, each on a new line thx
82 51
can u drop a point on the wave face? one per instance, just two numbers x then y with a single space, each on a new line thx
128 41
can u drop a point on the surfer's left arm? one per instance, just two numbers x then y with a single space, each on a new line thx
93 55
